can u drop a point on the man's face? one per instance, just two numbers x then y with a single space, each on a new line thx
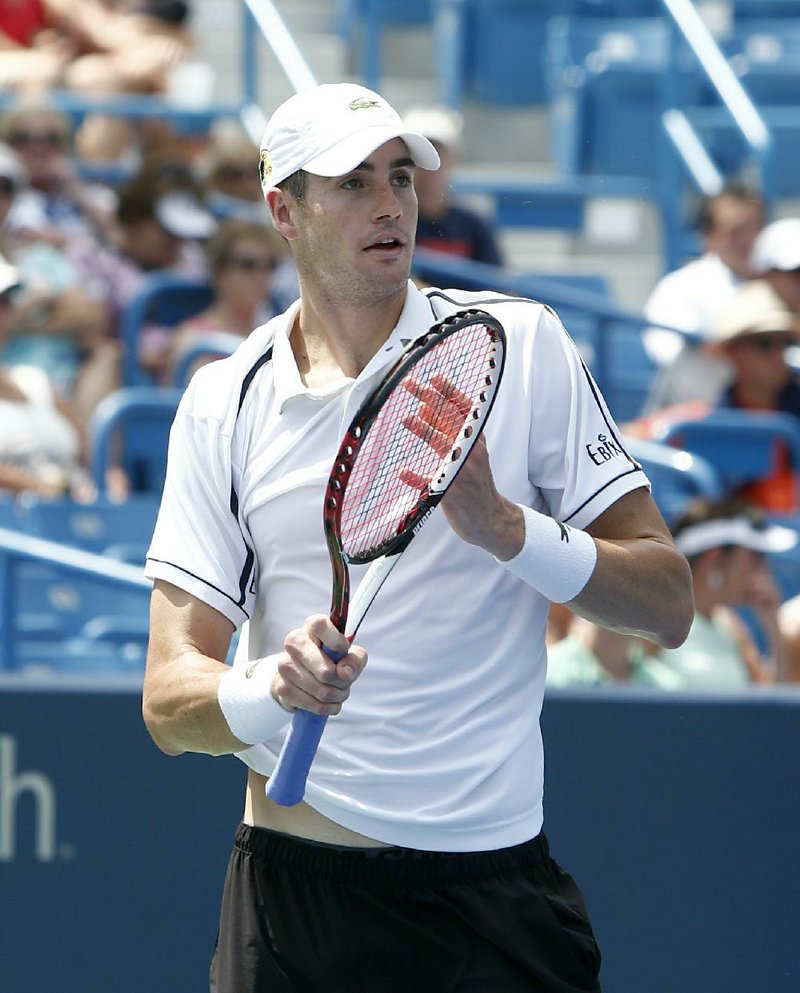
354 234
735 227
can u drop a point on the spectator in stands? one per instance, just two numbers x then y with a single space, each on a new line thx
753 335
443 225
776 259
33 56
56 207
229 169
40 443
591 655
242 258
163 224
56 325
692 297
233 189
726 543
13 178
92 46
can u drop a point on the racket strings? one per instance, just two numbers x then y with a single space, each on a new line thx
413 438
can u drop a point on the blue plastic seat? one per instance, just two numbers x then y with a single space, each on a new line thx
164 299
130 428
676 476
604 79
740 444
121 530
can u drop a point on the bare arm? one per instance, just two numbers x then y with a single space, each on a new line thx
189 641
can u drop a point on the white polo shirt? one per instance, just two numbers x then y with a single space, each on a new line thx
438 746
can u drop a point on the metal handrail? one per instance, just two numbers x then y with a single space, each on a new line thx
264 16
733 95
16 548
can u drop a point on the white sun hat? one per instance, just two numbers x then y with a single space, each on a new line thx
739 531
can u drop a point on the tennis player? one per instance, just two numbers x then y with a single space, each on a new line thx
417 859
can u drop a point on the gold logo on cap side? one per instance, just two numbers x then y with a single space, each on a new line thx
265 165
362 104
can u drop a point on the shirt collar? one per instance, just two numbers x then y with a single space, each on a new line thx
415 318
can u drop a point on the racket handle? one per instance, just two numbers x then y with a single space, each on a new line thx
287 784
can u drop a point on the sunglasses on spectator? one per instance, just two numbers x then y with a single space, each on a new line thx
769 343
54 138
249 263
7 186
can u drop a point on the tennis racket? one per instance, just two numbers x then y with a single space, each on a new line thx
404 447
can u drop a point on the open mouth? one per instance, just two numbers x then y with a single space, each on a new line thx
387 244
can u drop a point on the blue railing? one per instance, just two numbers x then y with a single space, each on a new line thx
18 550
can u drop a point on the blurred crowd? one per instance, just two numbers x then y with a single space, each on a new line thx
75 250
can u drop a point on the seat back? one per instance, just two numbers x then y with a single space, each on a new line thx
130 429
740 444
676 476
164 299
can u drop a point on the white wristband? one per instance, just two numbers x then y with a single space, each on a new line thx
247 704
557 560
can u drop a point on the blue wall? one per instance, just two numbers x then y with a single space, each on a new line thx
679 816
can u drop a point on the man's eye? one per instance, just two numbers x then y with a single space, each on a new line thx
403 179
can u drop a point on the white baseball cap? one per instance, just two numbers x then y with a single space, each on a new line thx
777 246
184 216
332 128
739 531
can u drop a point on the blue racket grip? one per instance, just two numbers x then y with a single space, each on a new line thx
287 784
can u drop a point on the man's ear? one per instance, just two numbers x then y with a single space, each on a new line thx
281 207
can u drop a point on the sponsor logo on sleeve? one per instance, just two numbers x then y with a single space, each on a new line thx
604 450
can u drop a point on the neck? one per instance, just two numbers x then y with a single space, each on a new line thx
330 340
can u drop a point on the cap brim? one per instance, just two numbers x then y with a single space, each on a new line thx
184 217
354 149
737 531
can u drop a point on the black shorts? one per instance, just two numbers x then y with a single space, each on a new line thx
302 917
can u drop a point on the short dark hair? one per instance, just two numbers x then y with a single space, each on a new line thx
295 185
734 189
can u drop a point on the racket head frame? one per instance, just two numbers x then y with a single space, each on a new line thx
360 425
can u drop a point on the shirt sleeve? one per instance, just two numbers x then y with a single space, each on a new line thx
200 543
576 455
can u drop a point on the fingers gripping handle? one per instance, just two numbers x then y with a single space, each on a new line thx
287 784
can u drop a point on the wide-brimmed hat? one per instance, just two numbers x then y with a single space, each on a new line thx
332 128
754 309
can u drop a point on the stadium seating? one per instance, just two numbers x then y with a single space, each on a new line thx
164 299
50 595
120 530
130 429
740 444
676 476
